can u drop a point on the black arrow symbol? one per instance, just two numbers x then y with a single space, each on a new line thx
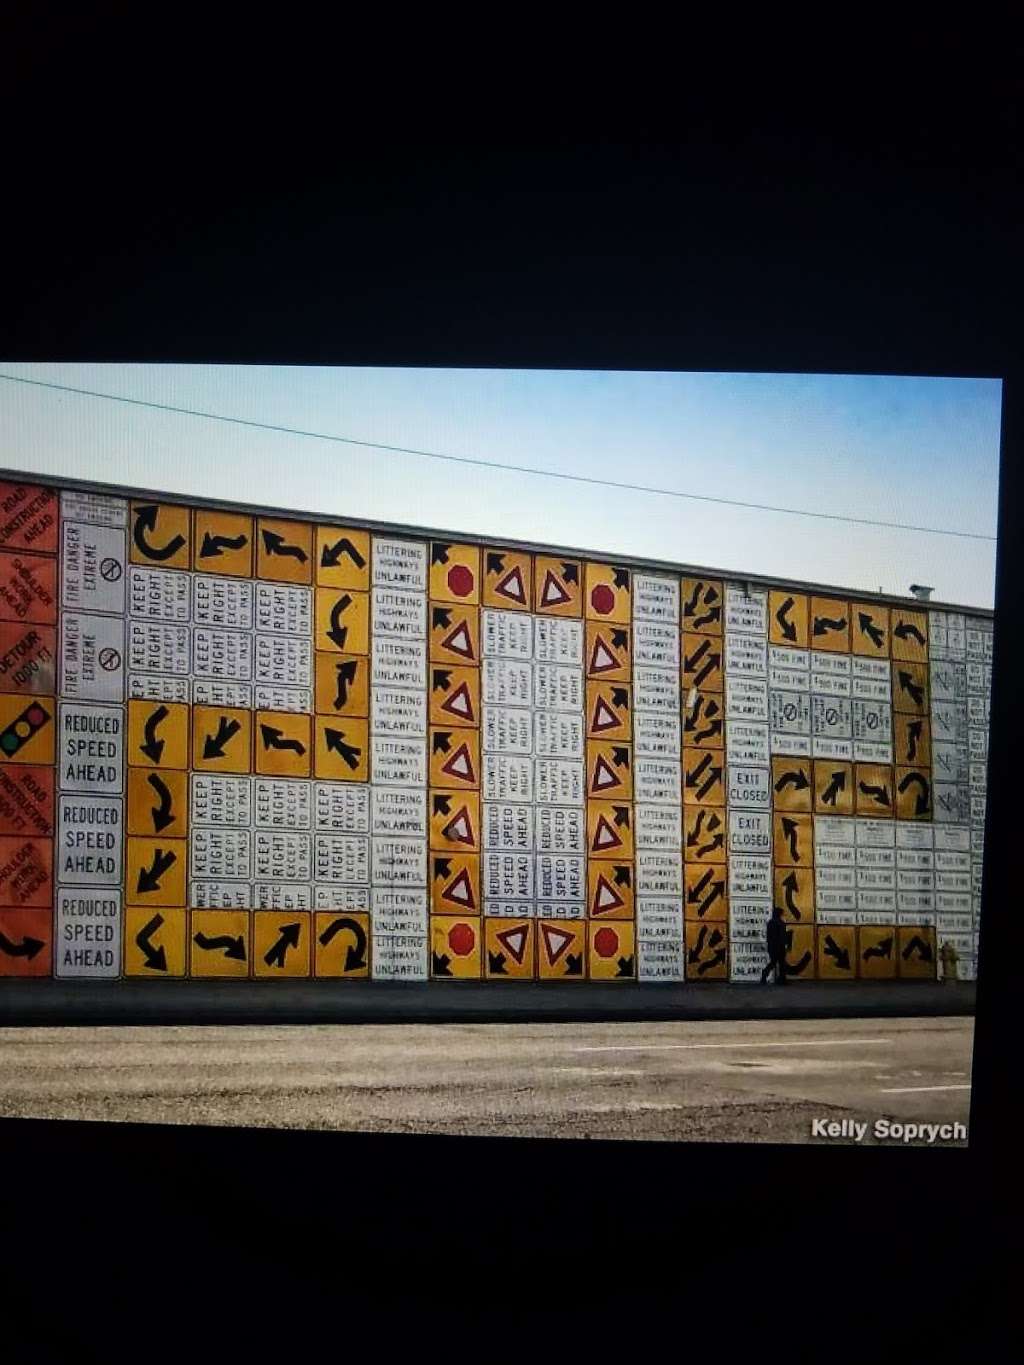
442 867
154 747
694 893
496 963
28 947
441 679
790 831
216 545
145 520
156 958
717 890
841 955
149 877
495 563
823 624
698 947
346 679
273 739
691 605
921 805
623 876
712 961
880 949
713 776
795 968
867 627
442 805
913 735
710 615
694 776
694 834
277 545
620 698
906 629
233 947
716 842
792 885
909 686
330 555
620 578
692 660
439 552
570 573
620 639
440 963
924 951
574 964
621 815
213 745
625 965
693 716
878 794
348 753
441 742
440 618
355 954
837 784
275 956
793 777
336 631
714 661
714 728
782 616
620 757
162 814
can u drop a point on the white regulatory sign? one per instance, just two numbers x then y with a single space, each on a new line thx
656 735
89 840
401 615
396 862
218 852
656 689
281 855
224 602
750 875
221 654
398 762
398 811
94 508
398 663
559 781
284 610
399 564
750 832
159 594
509 777
556 641
557 687
400 957
659 874
398 713
657 780
92 567
221 800
747 742
746 699
92 656
508 730
560 829
87 933
507 827
749 787
558 733
657 827
657 643
655 599
508 876
342 807
506 635
746 654
746 612
399 911
90 750
508 682
345 858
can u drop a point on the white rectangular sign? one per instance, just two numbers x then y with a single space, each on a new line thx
508 682
92 656
396 862
399 615
656 689
655 599
746 699
90 750
346 858
398 811
92 568
659 874
398 762
508 876
561 878
222 602
398 663
750 787
509 828
87 933
281 856
342 807
222 654
506 635
750 877
558 733
560 829
656 643
399 564
90 838
750 832
556 641
745 612
746 654
657 827
398 713
508 730
284 610
509 777
747 742
656 735
558 687
657 780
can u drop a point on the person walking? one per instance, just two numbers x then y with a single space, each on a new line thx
776 936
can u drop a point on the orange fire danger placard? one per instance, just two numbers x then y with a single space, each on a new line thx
26 873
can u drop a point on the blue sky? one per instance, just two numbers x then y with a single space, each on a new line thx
924 451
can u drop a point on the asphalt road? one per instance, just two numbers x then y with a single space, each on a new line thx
697 1081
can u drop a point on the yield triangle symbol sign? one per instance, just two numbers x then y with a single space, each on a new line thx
605 897
460 889
553 593
460 703
602 659
512 587
556 941
604 836
604 717
605 775
515 941
459 828
458 641
460 765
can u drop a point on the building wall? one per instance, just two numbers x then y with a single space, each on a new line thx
241 746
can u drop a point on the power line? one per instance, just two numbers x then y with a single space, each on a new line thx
489 464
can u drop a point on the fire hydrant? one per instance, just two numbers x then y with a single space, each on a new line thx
949 958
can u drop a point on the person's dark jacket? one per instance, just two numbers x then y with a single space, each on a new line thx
776 937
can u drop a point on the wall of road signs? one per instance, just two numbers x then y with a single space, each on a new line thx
238 746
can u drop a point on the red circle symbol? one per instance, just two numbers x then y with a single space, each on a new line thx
461 939
602 599
606 942
36 715
460 580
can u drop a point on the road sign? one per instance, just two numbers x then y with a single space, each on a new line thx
341 748
703 777
26 800
557 586
909 634
913 793
910 688
707 950
794 893
912 739
561 949
160 535
342 685
876 951
154 942
219 943
791 785
87 933
158 734
702 602
25 942
221 739
607 652
454 757
157 802
746 698
508 949
751 831
916 955
607 593
28 518
836 952
508 580
746 610
454 634
787 619
793 840
455 821
869 629
222 543
829 624
610 889
281 743
28 583
281 944
704 831
702 662
874 789
454 696
284 551
834 787
455 883
656 598
609 769
155 871
608 711
90 833
609 830
611 951
28 658
341 943
27 730
454 572
750 788
342 558
800 952
455 947
703 720
343 621
705 893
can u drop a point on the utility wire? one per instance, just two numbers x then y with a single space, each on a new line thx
489 464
